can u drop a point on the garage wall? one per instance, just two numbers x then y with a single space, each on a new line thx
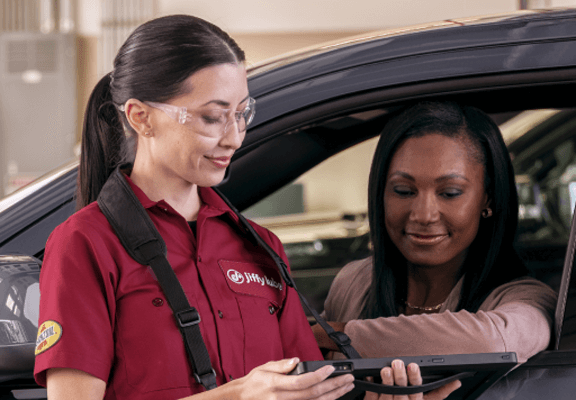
329 15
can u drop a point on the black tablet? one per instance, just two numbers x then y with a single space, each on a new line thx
477 372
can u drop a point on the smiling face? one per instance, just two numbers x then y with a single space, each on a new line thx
184 151
433 199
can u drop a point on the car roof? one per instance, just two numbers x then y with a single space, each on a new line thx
498 44
395 40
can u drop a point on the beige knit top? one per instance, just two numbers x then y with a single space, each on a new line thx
515 317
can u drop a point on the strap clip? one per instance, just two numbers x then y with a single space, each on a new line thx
340 338
188 317
208 380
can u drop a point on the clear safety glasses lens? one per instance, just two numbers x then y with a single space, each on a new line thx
245 117
180 114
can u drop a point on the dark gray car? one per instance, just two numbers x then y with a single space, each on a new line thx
315 105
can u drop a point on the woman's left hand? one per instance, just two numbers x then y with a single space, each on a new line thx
401 376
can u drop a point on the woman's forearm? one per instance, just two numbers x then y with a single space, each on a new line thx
513 327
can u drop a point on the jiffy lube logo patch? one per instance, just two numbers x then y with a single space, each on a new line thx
250 277
253 279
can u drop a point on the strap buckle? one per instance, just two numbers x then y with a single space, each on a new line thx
208 380
188 317
340 338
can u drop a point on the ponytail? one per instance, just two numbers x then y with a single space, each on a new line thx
152 65
103 141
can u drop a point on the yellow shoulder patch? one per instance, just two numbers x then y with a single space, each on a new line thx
49 333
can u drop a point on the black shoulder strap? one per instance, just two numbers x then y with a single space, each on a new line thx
141 239
340 338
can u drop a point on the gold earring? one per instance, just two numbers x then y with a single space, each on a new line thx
487 212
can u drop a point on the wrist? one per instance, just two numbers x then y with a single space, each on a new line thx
324 341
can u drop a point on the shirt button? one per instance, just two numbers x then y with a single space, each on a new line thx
271 309
157 302
220 314
199 259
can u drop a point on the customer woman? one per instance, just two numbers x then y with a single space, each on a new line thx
444 277
178 101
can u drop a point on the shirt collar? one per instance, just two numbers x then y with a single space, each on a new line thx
212 204
142 197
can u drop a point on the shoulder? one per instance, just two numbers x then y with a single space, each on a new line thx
213 200
84 233
358 272
348 292
83 250
269 237
526 290
88 222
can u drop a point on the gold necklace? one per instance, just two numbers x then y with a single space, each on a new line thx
433 308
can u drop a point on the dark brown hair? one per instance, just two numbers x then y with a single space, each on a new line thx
151 65
491 259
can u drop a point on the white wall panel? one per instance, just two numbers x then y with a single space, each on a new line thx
562 3
329 15
323 15
37 104
89 17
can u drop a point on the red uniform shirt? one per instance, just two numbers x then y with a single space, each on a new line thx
103 313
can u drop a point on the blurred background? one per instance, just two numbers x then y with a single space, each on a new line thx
52 53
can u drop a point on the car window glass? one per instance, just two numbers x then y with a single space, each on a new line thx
321 218
545 165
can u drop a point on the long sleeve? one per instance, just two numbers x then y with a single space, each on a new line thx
516 327
516 317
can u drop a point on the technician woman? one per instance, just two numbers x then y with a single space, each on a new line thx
444 278
177 106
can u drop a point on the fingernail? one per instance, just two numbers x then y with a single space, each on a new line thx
397 364
459 384
329 370
294 360
412 367
387 372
